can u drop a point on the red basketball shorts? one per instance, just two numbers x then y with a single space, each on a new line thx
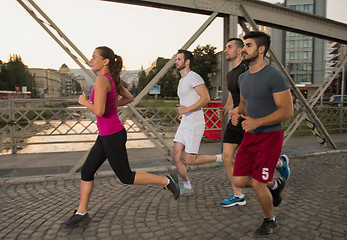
258 154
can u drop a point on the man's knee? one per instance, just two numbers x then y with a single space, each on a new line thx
258 186
241 182
228 160
190 159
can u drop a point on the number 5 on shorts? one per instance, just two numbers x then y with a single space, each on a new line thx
265 174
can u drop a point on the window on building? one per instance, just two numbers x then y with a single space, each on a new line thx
291 55
300 56
310 6
309 66
297 43
310 43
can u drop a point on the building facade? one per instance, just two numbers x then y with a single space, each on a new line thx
47 82
51 83
303 56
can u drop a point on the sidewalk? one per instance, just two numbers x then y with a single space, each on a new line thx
313 207
146 159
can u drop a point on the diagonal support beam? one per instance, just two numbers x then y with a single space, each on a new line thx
316 96
59 32
160 138
169 64
296 91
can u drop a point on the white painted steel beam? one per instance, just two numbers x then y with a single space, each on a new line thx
263 13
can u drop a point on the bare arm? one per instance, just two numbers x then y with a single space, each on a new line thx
126 98
229 105
235 114
204 99
101 87
284 103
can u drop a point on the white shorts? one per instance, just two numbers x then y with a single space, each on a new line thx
190 135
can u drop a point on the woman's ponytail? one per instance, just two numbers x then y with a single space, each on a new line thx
115 65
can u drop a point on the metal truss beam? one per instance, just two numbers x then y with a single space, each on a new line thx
263 13
308 110
28 5
313 100
131 107
126 111
169 64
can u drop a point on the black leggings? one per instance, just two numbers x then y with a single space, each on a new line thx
113 148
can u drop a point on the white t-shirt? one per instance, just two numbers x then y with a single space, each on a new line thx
188 96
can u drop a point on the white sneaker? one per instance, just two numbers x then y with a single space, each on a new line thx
186 191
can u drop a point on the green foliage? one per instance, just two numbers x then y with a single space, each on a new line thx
205 62
14 73
168 83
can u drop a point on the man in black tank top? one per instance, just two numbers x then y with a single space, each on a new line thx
233 135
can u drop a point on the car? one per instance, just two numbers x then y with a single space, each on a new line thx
335 100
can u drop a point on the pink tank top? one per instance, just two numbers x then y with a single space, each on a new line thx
109 123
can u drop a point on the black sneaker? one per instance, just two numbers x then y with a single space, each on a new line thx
173 185
77 220
267 228
276 194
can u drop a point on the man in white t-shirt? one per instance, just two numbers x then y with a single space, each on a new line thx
193 96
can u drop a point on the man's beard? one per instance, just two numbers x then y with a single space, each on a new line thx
179 68
252 58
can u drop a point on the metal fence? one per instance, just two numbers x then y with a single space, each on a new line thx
64 121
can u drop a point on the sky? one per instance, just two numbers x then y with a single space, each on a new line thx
138 34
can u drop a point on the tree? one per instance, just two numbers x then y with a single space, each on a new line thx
133 89
14 74
142 81
168 83
205 62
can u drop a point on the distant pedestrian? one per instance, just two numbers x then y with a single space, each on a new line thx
110 143
193 96
233 135
265 101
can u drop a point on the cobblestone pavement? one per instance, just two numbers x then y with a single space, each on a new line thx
313 207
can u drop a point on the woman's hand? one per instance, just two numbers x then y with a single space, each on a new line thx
83 99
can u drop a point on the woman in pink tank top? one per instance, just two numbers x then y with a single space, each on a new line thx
108 94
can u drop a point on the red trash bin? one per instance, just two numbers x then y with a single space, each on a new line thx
212 120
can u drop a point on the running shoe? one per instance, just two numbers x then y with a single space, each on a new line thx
173 185
276 194
284 170
186 191
267 228
76 220
233 201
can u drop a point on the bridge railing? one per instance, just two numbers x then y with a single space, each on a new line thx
64 121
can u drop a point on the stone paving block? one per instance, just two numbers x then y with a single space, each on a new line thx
147 212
